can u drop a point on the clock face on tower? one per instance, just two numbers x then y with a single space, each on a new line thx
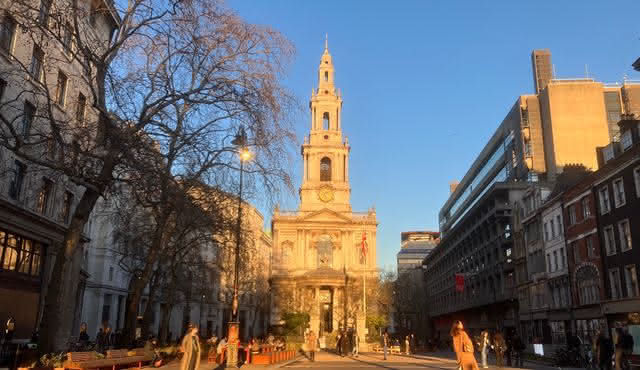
325 193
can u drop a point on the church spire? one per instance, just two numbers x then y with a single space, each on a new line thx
325 155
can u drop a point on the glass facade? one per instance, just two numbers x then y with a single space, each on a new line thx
491 166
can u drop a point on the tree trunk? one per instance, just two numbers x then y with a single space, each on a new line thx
138 284
165 320
147 317
55 325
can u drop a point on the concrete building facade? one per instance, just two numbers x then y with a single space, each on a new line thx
36 203
414 248
534 144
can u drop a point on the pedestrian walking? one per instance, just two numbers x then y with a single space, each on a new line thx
627 343
406 345
356 344
518 348
500 347
83 337
100 341
463 347
311 345
339 340
605 350
10 329
509 347
191 348
221 350
484 347
412 343
385 343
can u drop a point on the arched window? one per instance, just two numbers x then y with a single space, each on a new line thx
325 120
325 169
326 76
588 287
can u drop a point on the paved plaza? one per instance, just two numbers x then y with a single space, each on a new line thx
326 360
442 360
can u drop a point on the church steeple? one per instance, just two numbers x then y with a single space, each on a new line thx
325 154
326 103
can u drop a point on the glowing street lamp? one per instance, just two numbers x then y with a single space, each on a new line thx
240 141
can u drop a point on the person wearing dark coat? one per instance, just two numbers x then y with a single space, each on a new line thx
605 351
509 349
518 348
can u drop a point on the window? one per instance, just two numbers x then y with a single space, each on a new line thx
28 114
555 260
326 76
61 91
8 34
15 187
562 262
44 195
67 37
604 200
626 140
325 121
37 59
20 255
609 241
553 229
527 148
614 283
625 235
586 208
559 222
618 193
591 252
549 262
110 273
45 9
81 106
636 179
67 203
3 87
546 232
588 287
576 252
572 214
325 169
631 278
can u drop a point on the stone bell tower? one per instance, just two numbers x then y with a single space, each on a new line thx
325 182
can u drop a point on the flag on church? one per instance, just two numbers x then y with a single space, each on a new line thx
459 283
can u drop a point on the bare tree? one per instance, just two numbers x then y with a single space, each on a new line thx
173 77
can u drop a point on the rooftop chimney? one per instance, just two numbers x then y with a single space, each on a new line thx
452 186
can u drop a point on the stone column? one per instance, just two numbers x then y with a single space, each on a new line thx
314 321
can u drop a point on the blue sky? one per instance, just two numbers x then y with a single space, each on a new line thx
425 83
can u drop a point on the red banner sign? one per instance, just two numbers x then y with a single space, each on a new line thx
459 283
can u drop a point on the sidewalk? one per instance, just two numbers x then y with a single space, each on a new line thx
491 361
175 365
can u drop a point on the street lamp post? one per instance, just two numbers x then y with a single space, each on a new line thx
240 141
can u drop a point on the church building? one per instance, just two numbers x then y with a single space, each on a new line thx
324 251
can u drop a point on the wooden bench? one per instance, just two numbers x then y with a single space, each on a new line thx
116 359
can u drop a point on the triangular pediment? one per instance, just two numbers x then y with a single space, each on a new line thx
326 215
